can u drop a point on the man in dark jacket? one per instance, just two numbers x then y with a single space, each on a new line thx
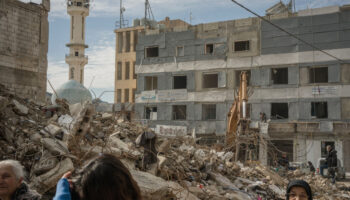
331 161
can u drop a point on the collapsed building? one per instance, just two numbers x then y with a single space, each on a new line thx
186 80
24 38
50 143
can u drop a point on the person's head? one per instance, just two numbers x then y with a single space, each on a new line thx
329 148
298 190
11 177
284 154
107 178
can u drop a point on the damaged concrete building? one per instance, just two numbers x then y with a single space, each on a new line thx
24 35
125 59
186 80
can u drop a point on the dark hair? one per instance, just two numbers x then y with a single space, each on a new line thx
106 178
299 183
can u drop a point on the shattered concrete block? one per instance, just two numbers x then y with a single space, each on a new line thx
152 187
36 137
75 109
53 129
222 180
56 147
106 116
197 192
116 142
189 149
19 108
49 180
65 121
238 196
180 192
277 190
200 155
46 163
3 102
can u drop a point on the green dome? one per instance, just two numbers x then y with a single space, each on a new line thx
73 92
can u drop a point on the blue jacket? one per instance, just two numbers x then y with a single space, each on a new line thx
62 190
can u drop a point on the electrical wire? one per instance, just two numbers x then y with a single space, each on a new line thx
291 34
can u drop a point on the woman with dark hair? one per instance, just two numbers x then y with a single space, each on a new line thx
103 178
298 190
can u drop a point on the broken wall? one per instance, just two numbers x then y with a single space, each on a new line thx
23 47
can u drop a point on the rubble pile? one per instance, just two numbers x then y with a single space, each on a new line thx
50 140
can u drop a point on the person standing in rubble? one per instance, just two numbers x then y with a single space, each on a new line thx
331 162
148 141
283 161
12 186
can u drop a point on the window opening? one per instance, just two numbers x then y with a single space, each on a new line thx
127 48
151 52
126 95
179 112
209 112
319 109
209 48
127 70
134 70
279 75
133 95
318 75
151 112
151 83
210 80
72 73
119 71
180 82
279 111
119 95
242 46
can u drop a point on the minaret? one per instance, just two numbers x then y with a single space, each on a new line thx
76 59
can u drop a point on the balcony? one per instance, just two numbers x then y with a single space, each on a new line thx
78 58
84 3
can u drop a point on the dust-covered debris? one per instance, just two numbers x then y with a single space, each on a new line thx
49 141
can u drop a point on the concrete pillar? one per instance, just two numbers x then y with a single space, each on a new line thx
124 42
132 41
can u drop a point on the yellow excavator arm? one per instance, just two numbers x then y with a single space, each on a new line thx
234 115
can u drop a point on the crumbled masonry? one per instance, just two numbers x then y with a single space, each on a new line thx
48 146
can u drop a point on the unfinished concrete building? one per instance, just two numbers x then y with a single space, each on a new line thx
125 61
24 31
185 80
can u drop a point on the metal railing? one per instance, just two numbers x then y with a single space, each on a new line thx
85 3
76 56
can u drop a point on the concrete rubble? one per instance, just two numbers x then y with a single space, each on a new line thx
48 146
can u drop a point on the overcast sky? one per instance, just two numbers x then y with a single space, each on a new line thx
100 24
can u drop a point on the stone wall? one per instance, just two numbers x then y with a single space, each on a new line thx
24 37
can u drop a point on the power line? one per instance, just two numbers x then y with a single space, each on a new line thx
291 34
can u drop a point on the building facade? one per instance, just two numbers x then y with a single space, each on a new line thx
125 59
125 62
76 59
187 79
24 34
